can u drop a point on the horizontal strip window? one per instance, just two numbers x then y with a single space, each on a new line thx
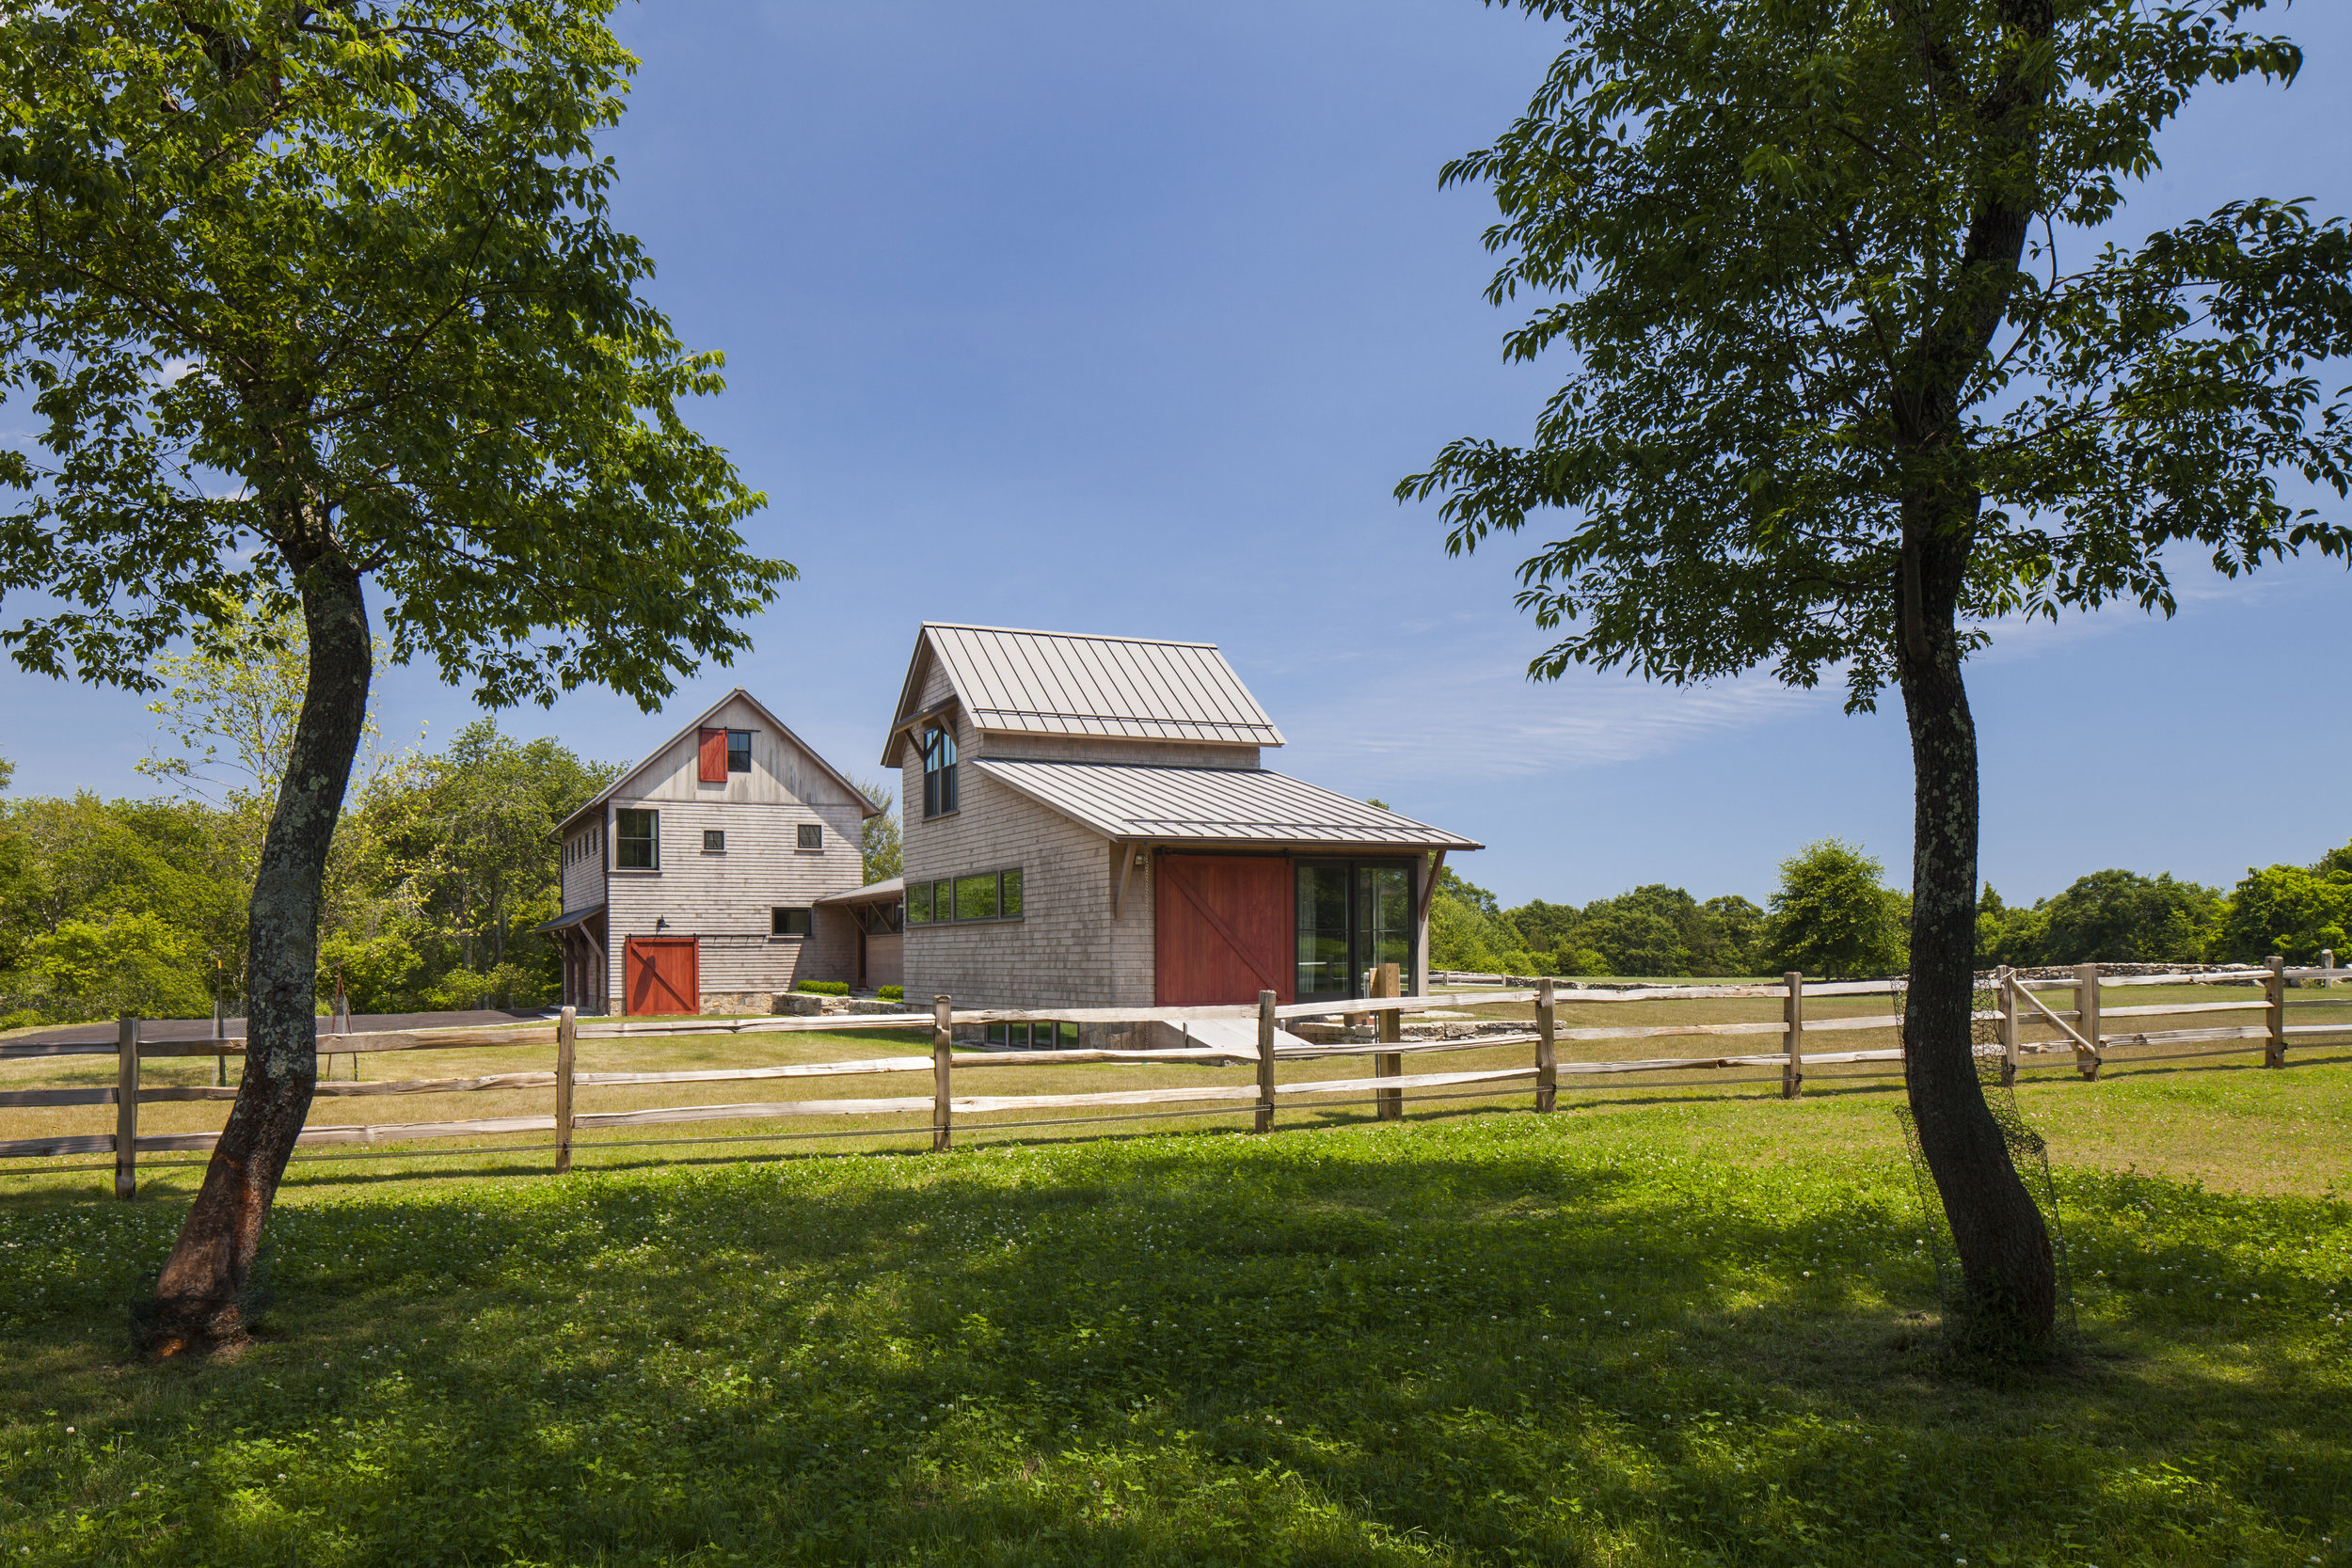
1034 1036
959 900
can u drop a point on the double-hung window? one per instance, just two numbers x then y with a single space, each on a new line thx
939 773
637 840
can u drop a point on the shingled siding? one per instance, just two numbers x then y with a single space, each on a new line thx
727 896
583 871
1064 950
1079 748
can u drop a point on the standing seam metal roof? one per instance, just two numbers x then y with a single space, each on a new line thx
1211 804
1057 683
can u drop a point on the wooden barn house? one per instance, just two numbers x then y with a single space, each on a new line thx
1088 823
700 880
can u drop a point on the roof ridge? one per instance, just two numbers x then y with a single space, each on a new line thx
1069 635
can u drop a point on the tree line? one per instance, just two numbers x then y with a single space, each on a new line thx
1832 916
439 870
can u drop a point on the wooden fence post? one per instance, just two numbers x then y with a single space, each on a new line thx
566 1040
1265 1061
1388 1026
1547 1050
2274 993
1792 1021
2087 1020
943 1044
2006 980
2328 960
127 1108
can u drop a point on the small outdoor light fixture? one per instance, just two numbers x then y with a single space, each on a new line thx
659 920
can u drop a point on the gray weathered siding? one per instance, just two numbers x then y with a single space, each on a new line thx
726 896
1065 950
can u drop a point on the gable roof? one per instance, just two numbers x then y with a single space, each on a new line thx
1063 683
621 783
1213 805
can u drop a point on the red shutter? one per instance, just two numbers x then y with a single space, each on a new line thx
714 770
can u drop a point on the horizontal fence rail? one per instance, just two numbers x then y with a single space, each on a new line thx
2078 1036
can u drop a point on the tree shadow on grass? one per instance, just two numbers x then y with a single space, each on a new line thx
1479 1342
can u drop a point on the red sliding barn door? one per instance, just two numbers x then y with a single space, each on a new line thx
1225 929
711 754
662 974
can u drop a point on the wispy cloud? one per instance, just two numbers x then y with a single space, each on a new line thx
1489 718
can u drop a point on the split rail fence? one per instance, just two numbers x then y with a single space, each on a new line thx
2077 1036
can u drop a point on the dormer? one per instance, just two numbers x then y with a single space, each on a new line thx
1057 696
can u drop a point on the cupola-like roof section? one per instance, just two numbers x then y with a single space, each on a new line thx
1062 683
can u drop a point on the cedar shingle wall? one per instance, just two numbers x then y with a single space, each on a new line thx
1063 951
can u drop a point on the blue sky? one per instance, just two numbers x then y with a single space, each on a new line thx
1127 319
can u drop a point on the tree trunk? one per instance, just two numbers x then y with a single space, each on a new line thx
201 1294
2009 1276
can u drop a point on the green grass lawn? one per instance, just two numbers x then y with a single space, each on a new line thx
1666 1330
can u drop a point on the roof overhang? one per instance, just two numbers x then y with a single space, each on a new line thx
1240 808
891 890
569 918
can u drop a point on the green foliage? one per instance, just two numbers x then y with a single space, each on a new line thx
1545 928
2107 917
1831 917
1809 266
359 259
239 691
459 858
878 844
1463 935
132 962
2294 912
891 994
1651 930
433 881
824 988
1580 1339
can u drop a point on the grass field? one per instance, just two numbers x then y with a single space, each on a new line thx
1660 1327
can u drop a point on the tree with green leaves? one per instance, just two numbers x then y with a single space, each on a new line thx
308 305
228 708
1833 916
878 844
1845 393
2295 912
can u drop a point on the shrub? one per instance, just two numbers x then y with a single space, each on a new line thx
891 994
824 987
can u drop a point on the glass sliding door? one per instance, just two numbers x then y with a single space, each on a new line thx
1384 923
1352 916
1324 959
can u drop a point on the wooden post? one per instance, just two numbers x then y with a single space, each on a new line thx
2328 960
1265 1061
2086 1020
220 1058
1547 1056
1388 1026
943 1044
2274 993
1792 1021
566 1040
2005 985
127 1109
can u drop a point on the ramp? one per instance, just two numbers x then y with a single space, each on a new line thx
1235 1036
